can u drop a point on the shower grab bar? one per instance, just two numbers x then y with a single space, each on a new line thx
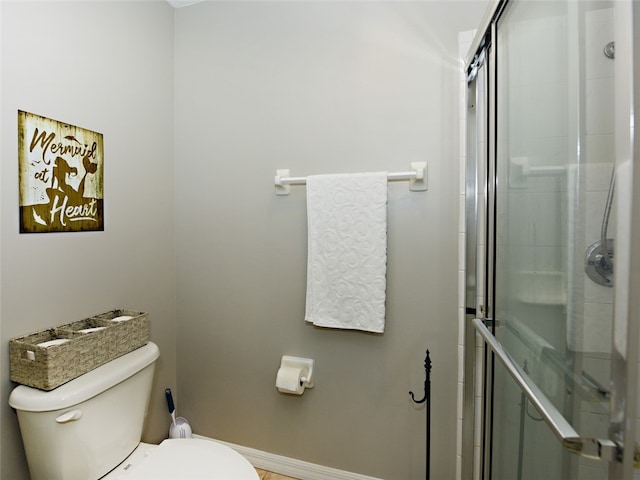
585 384
417 178
598 449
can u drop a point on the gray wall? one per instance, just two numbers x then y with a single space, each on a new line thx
250 87
107 67
322 87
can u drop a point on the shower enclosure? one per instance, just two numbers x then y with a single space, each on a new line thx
550 220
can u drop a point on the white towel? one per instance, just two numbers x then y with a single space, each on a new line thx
347 253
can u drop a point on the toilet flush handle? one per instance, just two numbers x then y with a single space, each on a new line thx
70 416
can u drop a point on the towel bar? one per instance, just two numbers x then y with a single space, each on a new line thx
417 178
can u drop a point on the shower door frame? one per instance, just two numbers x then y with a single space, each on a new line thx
479 300
479 232
626 324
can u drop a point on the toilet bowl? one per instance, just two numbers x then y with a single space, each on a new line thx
178 459
90 428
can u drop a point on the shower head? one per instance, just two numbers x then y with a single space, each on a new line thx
610 50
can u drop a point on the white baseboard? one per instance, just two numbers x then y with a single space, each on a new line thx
290 466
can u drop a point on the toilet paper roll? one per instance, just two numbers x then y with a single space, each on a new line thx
53 343
289 380
91 330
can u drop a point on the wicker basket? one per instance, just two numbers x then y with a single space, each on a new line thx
127 335
76 348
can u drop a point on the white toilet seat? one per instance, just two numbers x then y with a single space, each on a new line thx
191 459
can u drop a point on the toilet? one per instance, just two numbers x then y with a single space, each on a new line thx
90 428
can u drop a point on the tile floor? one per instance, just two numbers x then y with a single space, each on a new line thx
264 475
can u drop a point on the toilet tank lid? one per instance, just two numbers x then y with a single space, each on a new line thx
85 386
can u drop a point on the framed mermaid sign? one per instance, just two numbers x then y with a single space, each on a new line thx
61 176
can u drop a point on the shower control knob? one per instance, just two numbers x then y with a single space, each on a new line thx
596 266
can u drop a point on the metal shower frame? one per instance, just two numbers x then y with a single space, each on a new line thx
625 355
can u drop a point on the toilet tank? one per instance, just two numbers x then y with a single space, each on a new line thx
86 427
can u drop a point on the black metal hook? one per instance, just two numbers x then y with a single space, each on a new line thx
427 380
426 398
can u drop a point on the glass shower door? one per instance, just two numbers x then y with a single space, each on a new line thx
554 193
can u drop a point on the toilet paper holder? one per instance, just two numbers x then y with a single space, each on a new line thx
305 364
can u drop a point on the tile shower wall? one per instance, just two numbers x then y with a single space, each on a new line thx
464 42
593 338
